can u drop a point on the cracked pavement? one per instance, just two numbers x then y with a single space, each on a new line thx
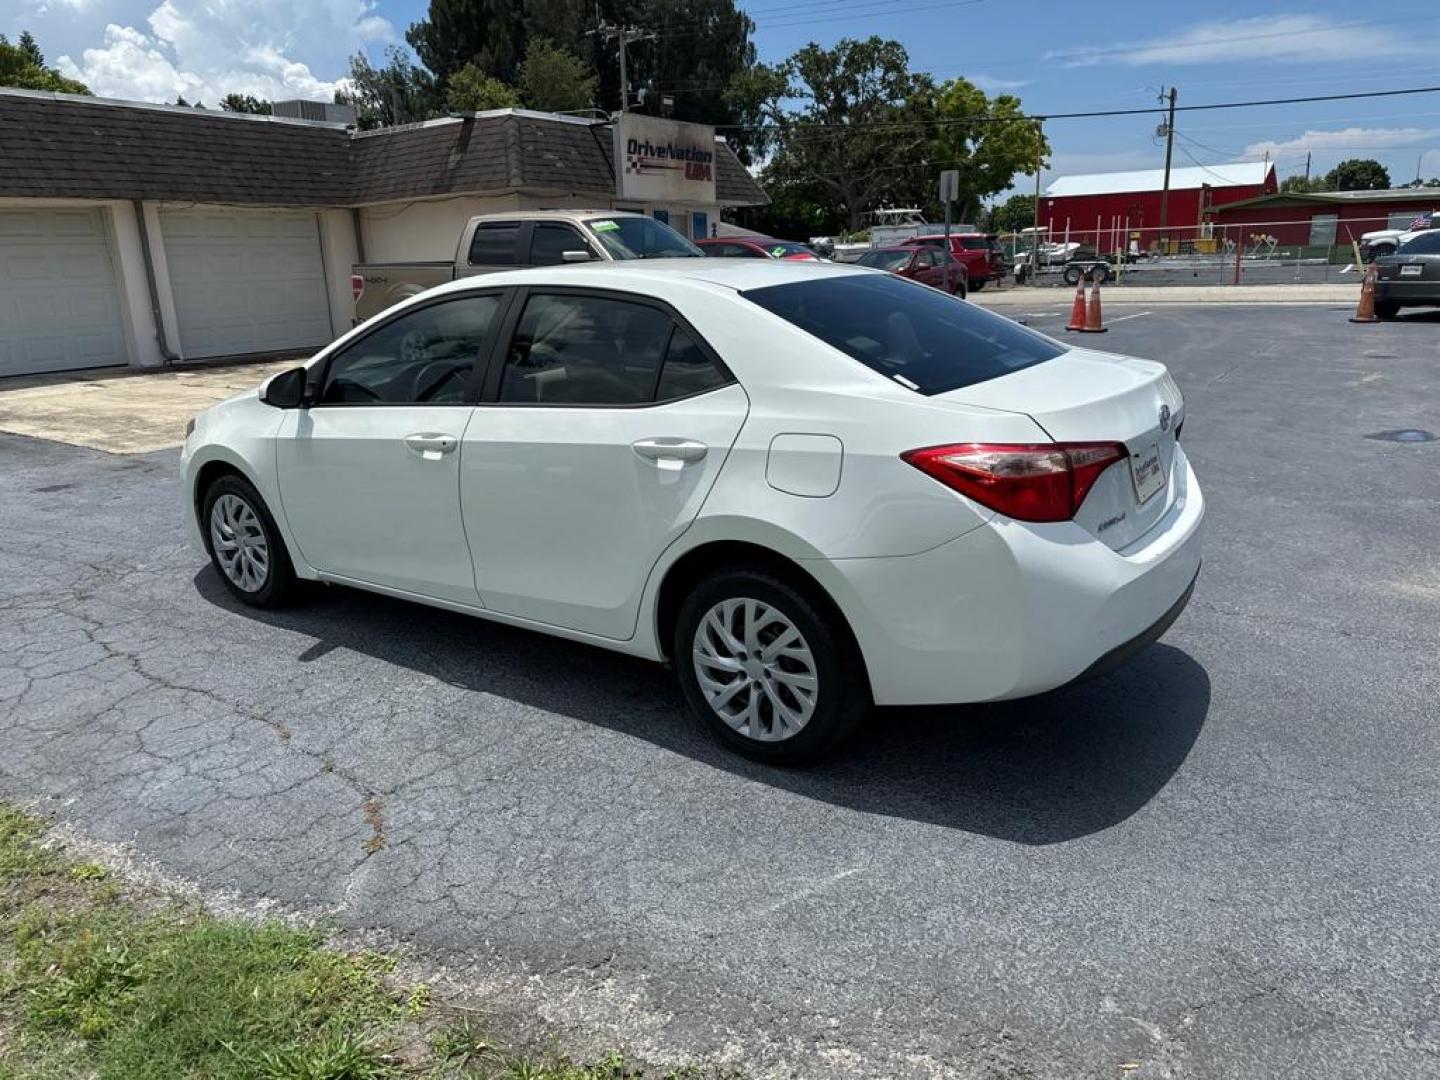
1219 861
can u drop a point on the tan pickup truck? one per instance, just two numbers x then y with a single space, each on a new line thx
493 242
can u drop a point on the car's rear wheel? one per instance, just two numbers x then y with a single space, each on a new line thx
977 284
1071 275
1386 309
245 545
771 675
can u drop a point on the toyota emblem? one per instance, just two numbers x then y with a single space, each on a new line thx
1164 417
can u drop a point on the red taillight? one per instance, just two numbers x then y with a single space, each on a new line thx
357 285
1026 481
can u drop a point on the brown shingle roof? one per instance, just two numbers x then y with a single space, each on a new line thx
56 145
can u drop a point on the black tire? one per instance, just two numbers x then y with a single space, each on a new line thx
279 586
842 694
978 285
1071 275
962 288
1386 309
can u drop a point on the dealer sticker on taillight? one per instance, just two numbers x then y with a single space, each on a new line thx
1147 472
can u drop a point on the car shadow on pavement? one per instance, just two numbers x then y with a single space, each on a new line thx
1039 771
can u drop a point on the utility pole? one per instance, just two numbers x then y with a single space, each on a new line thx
625 35
1035 224
1307 167
1169 150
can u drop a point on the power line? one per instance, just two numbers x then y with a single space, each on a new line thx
1096 113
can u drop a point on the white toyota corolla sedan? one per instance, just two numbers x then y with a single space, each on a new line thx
810 488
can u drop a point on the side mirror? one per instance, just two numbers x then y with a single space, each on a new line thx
575 256
286 390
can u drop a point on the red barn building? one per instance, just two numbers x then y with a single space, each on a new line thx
1079 205
1324 219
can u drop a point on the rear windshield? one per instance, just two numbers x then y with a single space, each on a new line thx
640 238
916 335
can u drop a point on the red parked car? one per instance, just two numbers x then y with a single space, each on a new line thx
981 253
755 247
920 263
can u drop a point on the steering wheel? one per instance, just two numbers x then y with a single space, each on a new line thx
431 378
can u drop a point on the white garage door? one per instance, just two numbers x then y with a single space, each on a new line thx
246 281
59 307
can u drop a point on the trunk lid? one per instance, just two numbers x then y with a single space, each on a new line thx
1087 396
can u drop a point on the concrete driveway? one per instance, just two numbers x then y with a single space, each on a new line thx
124 412
1219 861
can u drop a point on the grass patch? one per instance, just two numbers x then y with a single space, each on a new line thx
98 983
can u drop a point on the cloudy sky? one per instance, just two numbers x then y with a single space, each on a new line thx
1058 55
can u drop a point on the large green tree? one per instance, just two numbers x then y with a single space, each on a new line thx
554 79
851 122
398 93
246 103
22 65
1015 213
1358 174
472 90
987 140
697 53
1302 184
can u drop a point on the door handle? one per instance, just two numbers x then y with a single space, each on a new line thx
430 445
670 453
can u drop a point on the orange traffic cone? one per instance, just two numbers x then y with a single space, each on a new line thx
1094 322
1365 309
1077 310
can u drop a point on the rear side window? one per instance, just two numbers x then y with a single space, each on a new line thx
911 333
687 369
585 350
494 243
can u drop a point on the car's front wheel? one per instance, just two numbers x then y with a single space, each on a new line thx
769 672
245 545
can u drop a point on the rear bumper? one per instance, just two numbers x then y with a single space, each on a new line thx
1397 291
1013 609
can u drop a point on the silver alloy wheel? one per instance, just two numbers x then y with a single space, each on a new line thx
755 669
238 540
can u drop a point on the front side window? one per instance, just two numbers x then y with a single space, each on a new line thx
640 238
549 241
920 337
425 357
494 243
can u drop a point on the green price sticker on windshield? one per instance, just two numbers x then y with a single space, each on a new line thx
605 226
777 251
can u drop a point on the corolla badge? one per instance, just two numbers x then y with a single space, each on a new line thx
1164 417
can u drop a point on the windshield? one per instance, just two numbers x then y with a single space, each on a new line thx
885 260
916 335
641 238
778 249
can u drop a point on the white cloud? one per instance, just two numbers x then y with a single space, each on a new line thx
205 50
1351 138
1268 38
991 85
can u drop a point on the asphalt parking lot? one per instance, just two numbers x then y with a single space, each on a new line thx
1219 861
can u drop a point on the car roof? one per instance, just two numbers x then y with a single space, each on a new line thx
561 215
638 275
